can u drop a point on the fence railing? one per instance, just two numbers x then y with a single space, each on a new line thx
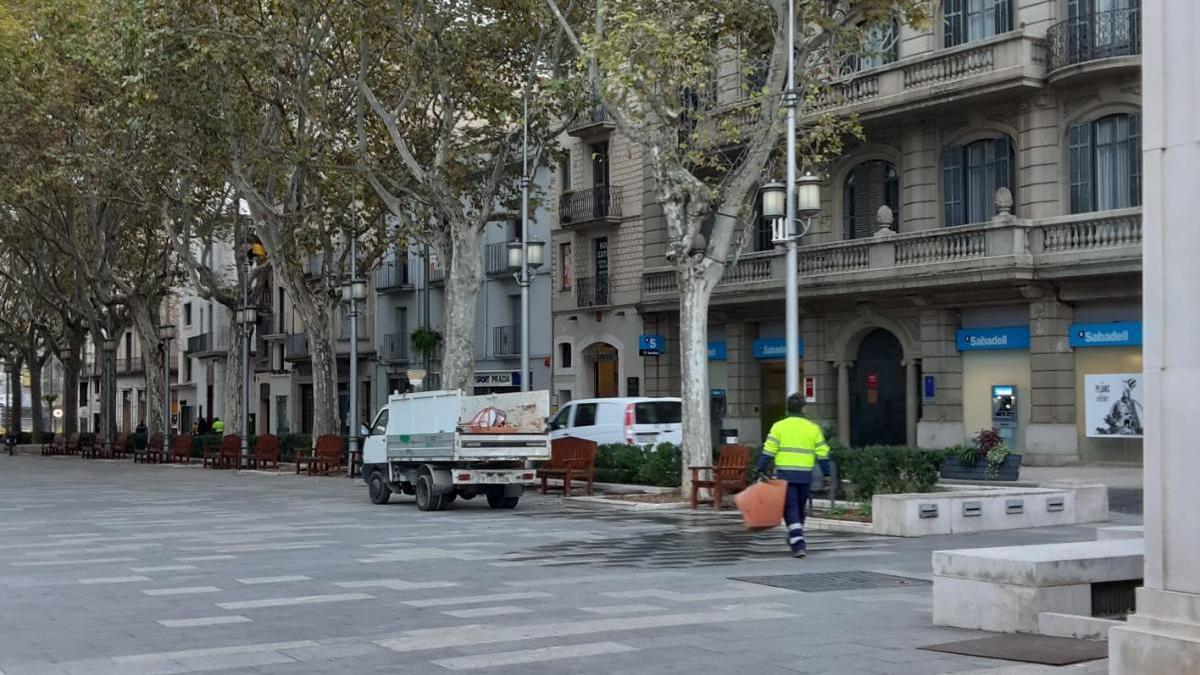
506 341
951 67
832 258
591 291
495 258
941 246
601 202
394 348
1091 233
295 346
1098 35
392 276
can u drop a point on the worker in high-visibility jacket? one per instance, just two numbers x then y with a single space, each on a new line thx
794 445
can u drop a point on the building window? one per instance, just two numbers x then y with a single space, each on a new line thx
187 313
1105 163
566 264
879 46
600 164
869 186
764 234
565 173
187 370
564 355
971 174
971 20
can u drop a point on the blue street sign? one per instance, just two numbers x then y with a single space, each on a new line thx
1008 337
651 345
716 350
1116 334
930 387
770 349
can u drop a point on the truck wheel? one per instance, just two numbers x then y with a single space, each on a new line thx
499 501
378 488
426 500
450 498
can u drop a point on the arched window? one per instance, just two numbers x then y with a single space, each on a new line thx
869 186
971 174
1104 160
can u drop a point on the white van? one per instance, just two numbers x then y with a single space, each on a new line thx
633 421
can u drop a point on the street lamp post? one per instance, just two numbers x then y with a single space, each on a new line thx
785 210
246 318
354 291
109 347
524 258
64 355
166 333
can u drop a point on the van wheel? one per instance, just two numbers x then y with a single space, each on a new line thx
426 500
499 501
378 488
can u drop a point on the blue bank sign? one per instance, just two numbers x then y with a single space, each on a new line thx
717 351
651 345
1008 337
1118 334
770 349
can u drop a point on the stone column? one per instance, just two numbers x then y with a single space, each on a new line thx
1051 437
1164 635
941 423
910 401
843 402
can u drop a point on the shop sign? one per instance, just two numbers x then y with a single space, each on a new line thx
1113 405
497 378
717 350
1117 334
650 345
770 349
977 339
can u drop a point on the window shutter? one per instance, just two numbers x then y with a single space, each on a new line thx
1003 16
1135 159
952 22
1079 166
952 187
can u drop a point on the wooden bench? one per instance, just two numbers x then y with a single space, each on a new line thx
266 452
56 446
73 445
152 453
181 450
325 458
570 458
728 475
120 447
228 455
90 447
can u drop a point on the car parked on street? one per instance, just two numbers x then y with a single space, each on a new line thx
633 420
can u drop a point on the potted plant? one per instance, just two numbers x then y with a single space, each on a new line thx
987 458
425 342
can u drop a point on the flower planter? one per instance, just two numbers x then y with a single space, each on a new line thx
1009 469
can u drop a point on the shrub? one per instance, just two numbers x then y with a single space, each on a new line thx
289 443
663 466
887 470
660 466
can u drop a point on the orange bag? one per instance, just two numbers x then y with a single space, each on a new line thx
761 504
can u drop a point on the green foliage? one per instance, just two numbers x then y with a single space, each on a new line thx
425 342
661 466
988 447
290 443
887 470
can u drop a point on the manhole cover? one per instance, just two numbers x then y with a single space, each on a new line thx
834 581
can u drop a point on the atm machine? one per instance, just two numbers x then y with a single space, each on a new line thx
1004 413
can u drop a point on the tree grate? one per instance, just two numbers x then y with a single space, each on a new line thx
821 582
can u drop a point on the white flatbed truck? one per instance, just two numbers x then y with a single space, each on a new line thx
442 445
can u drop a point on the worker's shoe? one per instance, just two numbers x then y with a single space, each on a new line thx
799 554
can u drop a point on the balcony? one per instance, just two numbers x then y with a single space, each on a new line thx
1100 40
591 292
206 345
506 341
599 204
592 124
1002 251
995 67
130 366
392 277
393 348
295 347
495 258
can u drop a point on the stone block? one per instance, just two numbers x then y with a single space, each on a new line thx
1120 532
1002 608
1075 626
899 515
1045 565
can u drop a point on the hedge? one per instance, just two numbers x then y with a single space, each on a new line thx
887 469
660 466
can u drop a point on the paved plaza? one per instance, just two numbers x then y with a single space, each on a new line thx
111 567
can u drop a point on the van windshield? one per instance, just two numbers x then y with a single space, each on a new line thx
658 412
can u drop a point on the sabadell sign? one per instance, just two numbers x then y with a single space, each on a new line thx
1006 337
1117 334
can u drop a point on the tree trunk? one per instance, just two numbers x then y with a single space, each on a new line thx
15 398
231 403
145 324
694 293
463 281
70 396
324 368
36 408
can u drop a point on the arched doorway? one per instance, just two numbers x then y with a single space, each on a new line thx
877 392
603 360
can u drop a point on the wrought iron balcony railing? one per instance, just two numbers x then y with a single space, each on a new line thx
1099 35
599 203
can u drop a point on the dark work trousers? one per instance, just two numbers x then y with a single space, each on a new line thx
793 513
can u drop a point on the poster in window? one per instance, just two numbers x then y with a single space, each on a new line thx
567 265
1114 405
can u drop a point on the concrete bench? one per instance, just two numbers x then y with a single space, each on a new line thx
986 509
1004 589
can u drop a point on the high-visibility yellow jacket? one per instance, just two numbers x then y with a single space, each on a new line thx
796 444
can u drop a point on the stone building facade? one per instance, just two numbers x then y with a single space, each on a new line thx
985 233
